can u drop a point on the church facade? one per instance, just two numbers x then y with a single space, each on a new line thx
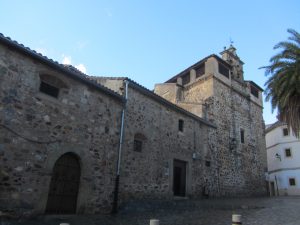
215 89
72 143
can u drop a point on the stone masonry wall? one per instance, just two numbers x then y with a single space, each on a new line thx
242 174
240 165
36 129
192 101
150 173
227 102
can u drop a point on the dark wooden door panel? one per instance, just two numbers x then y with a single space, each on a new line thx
63 191
179 178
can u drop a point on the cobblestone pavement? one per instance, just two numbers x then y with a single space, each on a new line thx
254 211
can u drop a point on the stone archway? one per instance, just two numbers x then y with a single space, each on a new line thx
64 185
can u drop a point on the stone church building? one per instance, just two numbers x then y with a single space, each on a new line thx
72 143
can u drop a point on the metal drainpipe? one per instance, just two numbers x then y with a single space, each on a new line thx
116 191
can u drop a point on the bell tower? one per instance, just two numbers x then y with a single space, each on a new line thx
229 55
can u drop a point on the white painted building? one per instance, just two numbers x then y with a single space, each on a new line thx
283 155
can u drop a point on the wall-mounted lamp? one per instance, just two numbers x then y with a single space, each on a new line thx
196 156
278 156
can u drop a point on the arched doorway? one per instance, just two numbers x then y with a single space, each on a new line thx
64 185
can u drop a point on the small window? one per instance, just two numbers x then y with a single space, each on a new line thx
254 91
200 70
139 140
223 70
180 125
49 89
292 181
51 85
186 79
137 145
242 136
288 152
207 163
285 132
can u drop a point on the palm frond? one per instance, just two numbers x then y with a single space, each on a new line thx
283 84
295 35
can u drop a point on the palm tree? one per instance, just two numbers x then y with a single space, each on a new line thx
283 85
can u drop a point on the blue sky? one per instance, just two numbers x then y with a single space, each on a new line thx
150 41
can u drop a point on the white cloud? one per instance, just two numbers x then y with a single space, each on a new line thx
81 68
43 51
66 60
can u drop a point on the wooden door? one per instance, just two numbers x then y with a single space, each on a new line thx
179 178
64 185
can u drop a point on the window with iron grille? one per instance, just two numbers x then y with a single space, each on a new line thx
288 152
285 132
51 85
49 89
292 181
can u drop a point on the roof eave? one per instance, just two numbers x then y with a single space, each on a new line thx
55 65
275 125
196 64
254 84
